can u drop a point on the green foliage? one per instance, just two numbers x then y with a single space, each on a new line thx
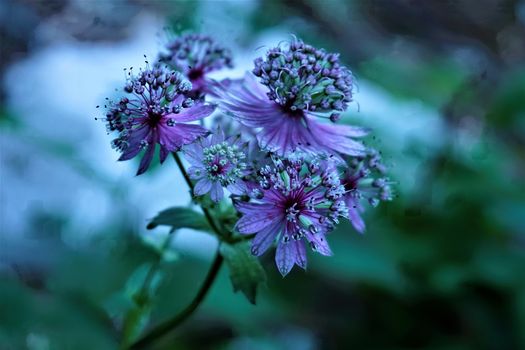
180 217
246 272
133 305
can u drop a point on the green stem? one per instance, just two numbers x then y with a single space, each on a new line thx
206 212
155 266
172 323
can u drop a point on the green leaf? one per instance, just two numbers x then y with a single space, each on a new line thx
180 217
246 272
135 302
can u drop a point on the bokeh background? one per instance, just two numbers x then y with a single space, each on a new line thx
441 82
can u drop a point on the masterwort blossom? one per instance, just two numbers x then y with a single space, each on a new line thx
196 55
297 203
297 84
218 162
155 111
363 181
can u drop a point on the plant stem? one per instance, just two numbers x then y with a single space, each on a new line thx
206 212
170 324
155 266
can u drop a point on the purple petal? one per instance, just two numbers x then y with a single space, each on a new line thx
134 140
130 152
265 238
319 243
217 136
146 159
202 187
237 188
257 220
174 137
198 111
216 192
193 154
196 172
300 256
353 214
330 137
285 257
163 154
349 130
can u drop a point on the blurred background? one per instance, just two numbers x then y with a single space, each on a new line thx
441 82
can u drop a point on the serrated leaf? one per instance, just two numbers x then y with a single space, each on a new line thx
180 217
246 272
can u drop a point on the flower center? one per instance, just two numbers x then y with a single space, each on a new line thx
154 118
224 162
195 74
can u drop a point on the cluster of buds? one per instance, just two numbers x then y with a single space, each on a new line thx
302 77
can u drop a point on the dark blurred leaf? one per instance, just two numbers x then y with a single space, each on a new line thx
180 217
138 296
246 272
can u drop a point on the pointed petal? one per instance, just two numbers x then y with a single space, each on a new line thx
193 154
146 159
198 111
354 216
300 255
237 188
265 238
163 154
216 192
130 152
256 221
285 257
174 137
217 136
134 140
330 137
202 187
319 243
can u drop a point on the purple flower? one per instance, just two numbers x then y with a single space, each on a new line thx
301 83
155 112
361 183
217 162
297 202
196 55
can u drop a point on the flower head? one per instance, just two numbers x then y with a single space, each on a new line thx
305 78
154 111
196 55
296 86
218 162
297 203
363 181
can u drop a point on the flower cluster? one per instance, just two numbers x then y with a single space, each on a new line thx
155 111
298 85
195 56
218 163
364 180
296 202
276 151
305 78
